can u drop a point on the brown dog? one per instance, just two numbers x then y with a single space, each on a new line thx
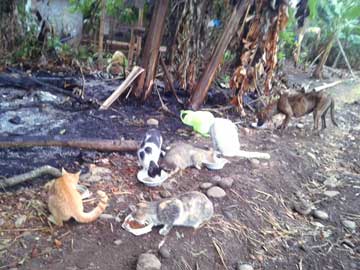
298 105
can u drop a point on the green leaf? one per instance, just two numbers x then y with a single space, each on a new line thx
313 4
352 13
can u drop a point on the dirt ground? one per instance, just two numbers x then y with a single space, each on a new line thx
254 223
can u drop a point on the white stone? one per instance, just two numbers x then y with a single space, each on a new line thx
20 221
331 193
216 192
152 122
351 225
148 261
320 214
244 267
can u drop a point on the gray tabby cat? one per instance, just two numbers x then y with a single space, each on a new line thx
183 155
190 209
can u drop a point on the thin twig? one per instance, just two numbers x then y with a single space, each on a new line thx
220 251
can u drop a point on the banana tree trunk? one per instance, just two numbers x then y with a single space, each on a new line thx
10 27
319 68
101 32
202 87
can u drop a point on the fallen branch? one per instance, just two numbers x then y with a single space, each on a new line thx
163 105
90 144
328 85
26 82
315 59
44 170
135 72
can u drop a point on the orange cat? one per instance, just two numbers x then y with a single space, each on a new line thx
65 201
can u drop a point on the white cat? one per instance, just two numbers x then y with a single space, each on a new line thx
150 149
225 139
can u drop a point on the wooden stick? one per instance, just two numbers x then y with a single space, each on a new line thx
90 144
328 85
346 59
44 170
168 78
135 72
316 58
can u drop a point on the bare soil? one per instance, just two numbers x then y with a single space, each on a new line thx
255 223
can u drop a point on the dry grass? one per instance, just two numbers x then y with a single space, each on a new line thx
218 246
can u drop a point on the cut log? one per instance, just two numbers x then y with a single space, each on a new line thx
202 87
135 72
84 143
151 49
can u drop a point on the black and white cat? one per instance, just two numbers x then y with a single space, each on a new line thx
150 151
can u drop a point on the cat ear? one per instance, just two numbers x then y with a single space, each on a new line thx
63 171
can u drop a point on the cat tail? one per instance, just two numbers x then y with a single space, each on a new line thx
83 217
246 154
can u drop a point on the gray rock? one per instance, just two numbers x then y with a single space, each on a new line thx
165 193
331 182
216 192
106 216
164 252
152 122
170 184
331 193
244 266
254 163
118 242
300 125
206 185
320 214
216 178
227 182
148 261
311 155
20 221
303 207
351 225
2 222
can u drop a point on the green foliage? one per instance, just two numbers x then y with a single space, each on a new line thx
287 37
116 8
228 56
313 5
339 17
